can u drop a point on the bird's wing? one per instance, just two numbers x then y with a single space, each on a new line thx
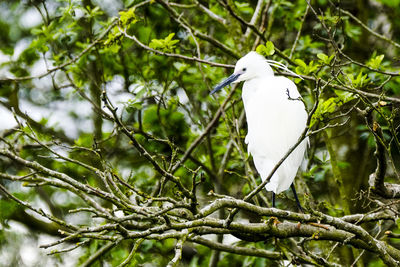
275 121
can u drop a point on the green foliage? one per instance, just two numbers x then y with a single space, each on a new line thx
266 50
330 18
324 108
375 62
127 17
391 3
330 105
166 45
114 36
305 69
7 209
325 59
360 80
352 31
244 7
160 121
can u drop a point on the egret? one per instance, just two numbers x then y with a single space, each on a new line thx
276 117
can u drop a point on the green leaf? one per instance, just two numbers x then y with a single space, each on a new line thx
36 31
375 62
300 62
266 50
352 31
324 108
127 17
359 81
324 58
344 96
270 49
180 66
113 36
244 7
7 207
305 69
166 45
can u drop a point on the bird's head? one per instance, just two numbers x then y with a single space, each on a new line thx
251 66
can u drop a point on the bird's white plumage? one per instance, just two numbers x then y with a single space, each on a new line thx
275 120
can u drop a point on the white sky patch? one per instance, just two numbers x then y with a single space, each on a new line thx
17 227
183 99
107 126
28 249
19 47
59 114
38 68
60 198
33 111
119 213
7 120
17 187
78 13
4 58
211 237
97 221
68 259
29 254
61 117
115 85
38 203
80 218
4 70
110 7
125 173
230 239
31 18
116 93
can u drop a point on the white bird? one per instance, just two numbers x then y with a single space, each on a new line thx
276 117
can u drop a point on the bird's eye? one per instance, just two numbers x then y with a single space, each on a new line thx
244 69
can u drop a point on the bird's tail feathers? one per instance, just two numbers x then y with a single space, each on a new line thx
271 186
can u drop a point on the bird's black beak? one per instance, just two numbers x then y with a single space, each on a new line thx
226 82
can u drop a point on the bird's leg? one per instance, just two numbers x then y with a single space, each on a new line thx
273 199
273 219
301 209
297 199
